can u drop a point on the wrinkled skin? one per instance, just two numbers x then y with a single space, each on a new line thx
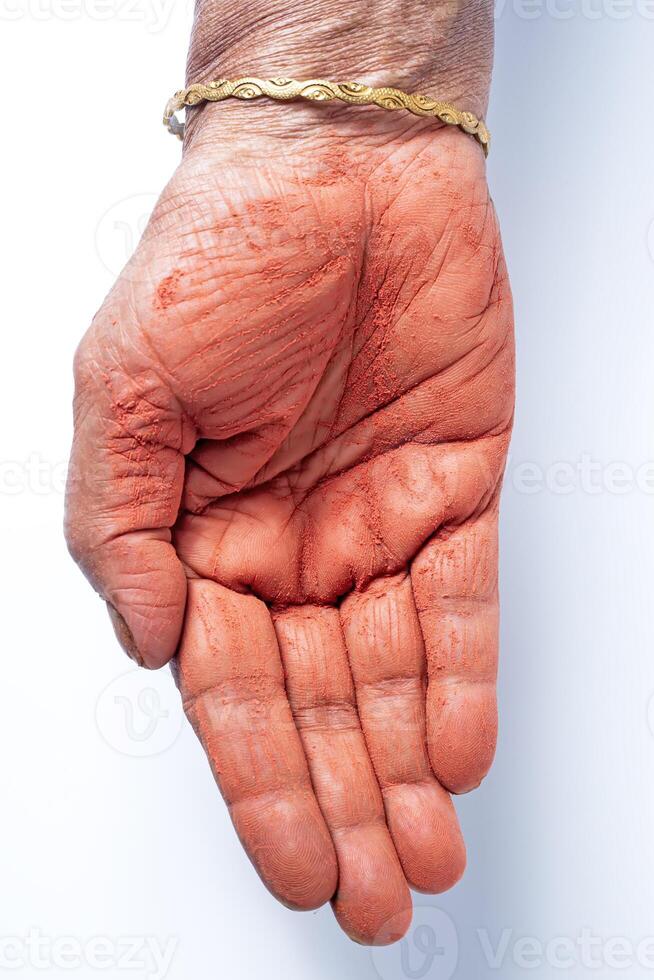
292 415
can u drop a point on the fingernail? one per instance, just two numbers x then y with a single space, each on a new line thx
124 635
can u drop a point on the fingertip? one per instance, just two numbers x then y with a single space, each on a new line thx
393 929
462 736
288 843
149 652
373 902
145 592
427 836
124 634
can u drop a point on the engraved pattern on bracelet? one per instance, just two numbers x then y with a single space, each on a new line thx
319 90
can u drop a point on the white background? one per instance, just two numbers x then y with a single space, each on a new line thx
95 842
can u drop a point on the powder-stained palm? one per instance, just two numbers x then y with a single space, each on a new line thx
292 417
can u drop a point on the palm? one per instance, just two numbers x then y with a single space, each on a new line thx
340 346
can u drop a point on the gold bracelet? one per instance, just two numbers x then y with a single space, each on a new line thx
318 90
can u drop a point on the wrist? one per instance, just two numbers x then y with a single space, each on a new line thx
439 49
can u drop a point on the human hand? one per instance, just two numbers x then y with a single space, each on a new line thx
292 416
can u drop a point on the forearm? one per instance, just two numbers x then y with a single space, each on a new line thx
442 49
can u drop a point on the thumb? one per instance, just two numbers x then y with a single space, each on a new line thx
124 489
